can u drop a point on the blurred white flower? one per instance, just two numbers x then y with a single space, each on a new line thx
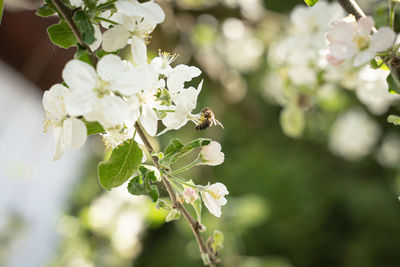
389 151
350 38
214 197
373 90
312 23
69 133
211 154
353 135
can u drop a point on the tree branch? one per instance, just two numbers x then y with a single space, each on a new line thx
195 225
66 14
351 7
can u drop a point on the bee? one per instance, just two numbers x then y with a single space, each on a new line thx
207 119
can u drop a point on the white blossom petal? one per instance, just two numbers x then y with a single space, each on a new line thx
149 120
98 36
53 101
74 133
79 75
383 39
109 67
115 38
139 51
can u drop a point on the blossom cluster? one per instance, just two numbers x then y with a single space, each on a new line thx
322 54
116 94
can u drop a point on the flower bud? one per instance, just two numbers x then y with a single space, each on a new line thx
211 154
190 195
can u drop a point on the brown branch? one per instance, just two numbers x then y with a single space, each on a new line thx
351 7
67 14
195 225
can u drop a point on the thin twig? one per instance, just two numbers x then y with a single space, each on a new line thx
195 225
67 14
351 7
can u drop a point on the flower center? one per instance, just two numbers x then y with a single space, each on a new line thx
102 88
362 42
215 194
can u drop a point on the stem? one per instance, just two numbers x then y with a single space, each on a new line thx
66 14
392 9
106 20
196 227
187 167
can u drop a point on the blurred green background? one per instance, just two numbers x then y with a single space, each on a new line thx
291 202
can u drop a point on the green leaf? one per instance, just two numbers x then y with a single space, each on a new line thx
101 53
123 163
175 150
1 9
393 84
85 26
173 146
311 2
45 11
61 35
142 184
93 127
90 4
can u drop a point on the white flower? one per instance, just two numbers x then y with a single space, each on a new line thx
373 91
214 197
190 195
350 38
312 23
184 102
93 93
211 154
69 133
163 61
135 20
179 75
353 135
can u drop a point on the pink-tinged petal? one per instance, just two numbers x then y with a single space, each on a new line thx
342 32
365 25
79 75
383 39
333 61
342 51
115 38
